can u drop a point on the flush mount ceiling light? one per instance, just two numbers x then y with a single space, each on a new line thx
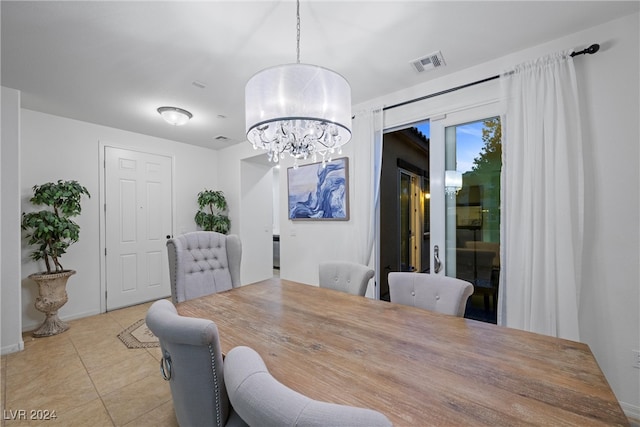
174 115
300 109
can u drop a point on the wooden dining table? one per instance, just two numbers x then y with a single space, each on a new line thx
417 367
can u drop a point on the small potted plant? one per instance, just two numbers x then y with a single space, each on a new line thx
211 216
52 231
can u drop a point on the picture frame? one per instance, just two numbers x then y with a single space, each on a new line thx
319 192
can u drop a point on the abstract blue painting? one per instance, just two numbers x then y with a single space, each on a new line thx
317 192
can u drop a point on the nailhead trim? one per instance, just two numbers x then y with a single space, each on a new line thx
216 386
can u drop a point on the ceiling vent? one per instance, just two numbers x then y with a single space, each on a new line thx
429 62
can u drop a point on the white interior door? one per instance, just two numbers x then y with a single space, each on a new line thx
138 219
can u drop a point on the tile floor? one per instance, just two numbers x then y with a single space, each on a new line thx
87 376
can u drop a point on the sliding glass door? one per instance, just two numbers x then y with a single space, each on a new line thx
459 166
465 171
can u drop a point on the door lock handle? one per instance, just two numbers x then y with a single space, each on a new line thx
437 264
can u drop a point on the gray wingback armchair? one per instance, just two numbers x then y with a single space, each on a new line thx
192 363
202 263
261 400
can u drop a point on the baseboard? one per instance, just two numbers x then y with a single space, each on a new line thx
31 326
631 411
12 348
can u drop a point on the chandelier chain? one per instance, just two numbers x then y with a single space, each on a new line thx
298 31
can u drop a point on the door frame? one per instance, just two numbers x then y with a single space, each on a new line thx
416 219
434 109
102 145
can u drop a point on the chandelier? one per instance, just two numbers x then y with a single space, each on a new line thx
452 182
300 109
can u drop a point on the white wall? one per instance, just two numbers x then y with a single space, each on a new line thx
610 299
305 244
248 187
10 237
256 219
55 148
610 305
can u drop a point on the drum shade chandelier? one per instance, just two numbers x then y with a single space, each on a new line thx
300 109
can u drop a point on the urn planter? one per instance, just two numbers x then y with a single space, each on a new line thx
51 230
52 289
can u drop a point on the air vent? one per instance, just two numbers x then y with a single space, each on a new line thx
428 62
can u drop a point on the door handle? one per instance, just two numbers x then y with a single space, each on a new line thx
437 264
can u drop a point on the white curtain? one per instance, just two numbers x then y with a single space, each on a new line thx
366 167
542 198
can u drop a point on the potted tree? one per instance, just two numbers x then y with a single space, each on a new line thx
211 216
52 231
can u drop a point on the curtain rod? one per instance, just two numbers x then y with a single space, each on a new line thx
590 50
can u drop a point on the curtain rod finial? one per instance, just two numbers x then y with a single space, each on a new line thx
590 50
593 49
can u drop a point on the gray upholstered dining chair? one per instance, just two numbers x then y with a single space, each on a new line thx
432 292
203 263
192 363
345 276
261 400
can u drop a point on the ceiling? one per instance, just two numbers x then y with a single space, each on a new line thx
115 62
